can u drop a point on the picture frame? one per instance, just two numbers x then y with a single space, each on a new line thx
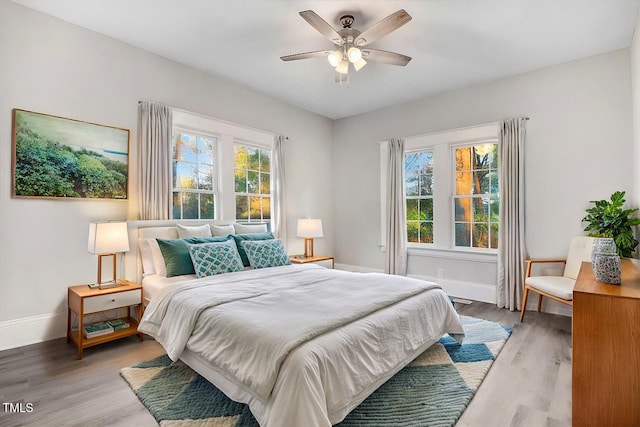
59 158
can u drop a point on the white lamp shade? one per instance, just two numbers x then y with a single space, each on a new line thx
343 67
359 64
335 57
108 237
309 228
354 54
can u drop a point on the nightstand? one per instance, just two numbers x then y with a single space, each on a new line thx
301 259
81 300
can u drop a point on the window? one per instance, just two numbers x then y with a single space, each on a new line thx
476 196
252 167
418 170
193 176
451 193
221 171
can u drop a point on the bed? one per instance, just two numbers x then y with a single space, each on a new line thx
298 343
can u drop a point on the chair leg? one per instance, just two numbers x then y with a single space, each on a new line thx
539 302
524 302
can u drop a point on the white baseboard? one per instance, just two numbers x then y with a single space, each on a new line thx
474 291
455 288
466 290
32 330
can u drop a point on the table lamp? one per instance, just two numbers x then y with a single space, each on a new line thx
106 239
309 228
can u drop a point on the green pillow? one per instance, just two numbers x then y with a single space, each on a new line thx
265 253
249 236
176 253
215 258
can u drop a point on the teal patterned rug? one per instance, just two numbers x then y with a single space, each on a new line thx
433 390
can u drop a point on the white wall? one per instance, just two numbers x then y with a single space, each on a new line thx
578 148
50 66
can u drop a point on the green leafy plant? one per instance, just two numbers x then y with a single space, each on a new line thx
609 219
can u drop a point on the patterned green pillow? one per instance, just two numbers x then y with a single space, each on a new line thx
265 253
215 258
239 238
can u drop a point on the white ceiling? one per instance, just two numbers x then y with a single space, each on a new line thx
454 43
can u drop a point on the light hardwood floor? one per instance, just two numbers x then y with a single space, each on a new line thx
528 385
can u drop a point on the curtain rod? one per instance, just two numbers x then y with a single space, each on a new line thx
450 130
209 117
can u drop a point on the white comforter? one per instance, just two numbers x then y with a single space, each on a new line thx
246 325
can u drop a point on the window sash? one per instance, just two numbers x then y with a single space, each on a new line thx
253 196
195 161
477 228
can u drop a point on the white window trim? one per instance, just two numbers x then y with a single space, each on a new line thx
227 135
440 143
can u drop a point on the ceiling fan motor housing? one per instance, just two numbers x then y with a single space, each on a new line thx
347 21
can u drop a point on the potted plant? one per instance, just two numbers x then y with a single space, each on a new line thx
607 218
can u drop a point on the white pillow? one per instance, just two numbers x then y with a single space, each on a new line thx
191 231
158 259
222 230
147 257
250 228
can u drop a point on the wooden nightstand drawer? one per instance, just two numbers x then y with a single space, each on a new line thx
111 301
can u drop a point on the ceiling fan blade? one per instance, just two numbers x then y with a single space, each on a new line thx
321 25
305 55
385 57
383 27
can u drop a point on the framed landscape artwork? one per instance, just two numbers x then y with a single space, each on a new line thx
60 158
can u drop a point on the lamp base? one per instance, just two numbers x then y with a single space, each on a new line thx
308 247
110 284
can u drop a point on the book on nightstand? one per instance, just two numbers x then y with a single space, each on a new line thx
118 324
97 329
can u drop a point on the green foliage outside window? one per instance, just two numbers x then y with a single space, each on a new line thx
252 169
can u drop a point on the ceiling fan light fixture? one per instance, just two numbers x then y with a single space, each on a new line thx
343 67
335 57
354 54
359 64
351 45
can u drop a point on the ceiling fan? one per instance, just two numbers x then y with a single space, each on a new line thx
352 44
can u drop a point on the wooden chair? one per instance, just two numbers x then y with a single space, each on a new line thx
558 288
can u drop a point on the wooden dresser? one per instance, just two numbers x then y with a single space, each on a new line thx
606 349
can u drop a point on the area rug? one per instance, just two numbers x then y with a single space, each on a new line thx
433 390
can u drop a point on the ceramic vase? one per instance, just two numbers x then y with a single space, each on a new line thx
605 261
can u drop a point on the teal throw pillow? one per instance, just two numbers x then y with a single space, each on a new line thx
265 253
176 253
249 236
215 258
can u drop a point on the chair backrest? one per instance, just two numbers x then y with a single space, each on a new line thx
579 251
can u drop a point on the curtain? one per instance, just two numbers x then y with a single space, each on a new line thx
396 254
154 160
511 245
278 220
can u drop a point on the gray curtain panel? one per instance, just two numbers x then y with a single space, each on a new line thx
396 254
278 220
511 245
154 160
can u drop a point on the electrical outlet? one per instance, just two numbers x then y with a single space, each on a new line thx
440 273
